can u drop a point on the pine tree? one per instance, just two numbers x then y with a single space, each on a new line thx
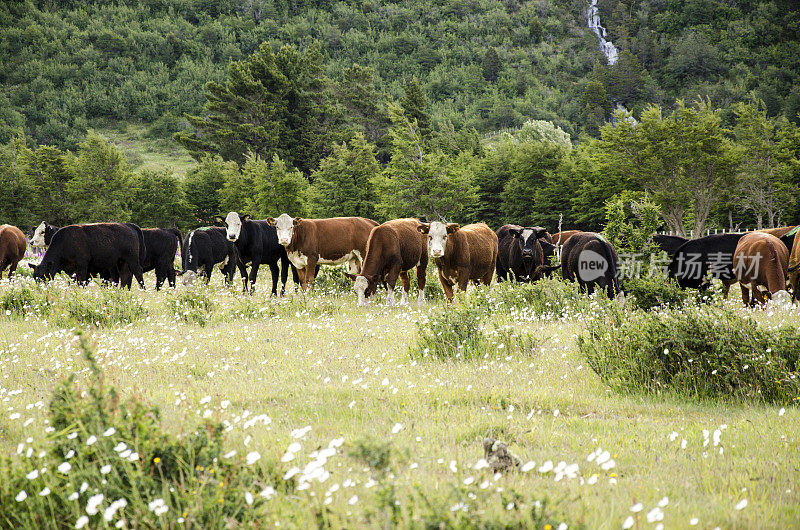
158 200
343 184
278 187
491 65
414 105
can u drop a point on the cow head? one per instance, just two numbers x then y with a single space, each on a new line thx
38 239
284 225
528 240
233 223
42 272
438 233
364 287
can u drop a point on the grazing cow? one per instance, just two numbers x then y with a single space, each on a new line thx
761 261
43 235
161 245
669 244
461 254
561 238
393 249
591 260
325 241
205 248
520 253
12 248
94 248
793 246
697 258
256 244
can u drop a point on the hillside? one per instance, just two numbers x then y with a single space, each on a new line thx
483 63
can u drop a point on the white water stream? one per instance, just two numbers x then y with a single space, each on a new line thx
593 20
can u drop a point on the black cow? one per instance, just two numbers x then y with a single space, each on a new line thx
591 260
257 244
205 248
161 244
669 244
698 258
520 255
98 248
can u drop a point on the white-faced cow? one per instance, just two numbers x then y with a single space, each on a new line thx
393 249
97 248
333 241
256 244
591 261
761 262
520 253
12 248
206 248
43 235
461 254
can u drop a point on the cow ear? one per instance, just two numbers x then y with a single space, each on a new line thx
270 221
246 217
452 227
514 232
219 219
423 228
296 221
32 266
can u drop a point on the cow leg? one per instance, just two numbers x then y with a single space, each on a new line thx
726 287
82 276
463 280
311 272
284 274
12 268
745 295
422 279
405 279
391 280
161 276
136 269
243 273
254 274
274 271
171 274
447 287
501 274
758 296
487 278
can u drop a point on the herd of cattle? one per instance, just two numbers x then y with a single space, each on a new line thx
764 262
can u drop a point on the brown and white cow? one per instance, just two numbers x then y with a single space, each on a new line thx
333 241
760 263
393 249
12 248
461 253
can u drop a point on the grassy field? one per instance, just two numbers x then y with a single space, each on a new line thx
148 153
322 369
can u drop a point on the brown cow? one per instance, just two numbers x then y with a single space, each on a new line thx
760 262
12 248
794 269
778 232
461 253
393 249
559 238
325 241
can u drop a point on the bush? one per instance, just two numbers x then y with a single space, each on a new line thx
192 307
701 353
655 291
332 280
22 300
111 307
105 453
456 333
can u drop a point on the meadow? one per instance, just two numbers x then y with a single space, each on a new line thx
348 419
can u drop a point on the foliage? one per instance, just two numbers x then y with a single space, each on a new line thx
192 307
158 200
705 353
344 183
118 448
548 297
655 291
631 219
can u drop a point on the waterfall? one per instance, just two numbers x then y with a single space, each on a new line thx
593 20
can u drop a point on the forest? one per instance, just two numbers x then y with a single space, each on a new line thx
495 111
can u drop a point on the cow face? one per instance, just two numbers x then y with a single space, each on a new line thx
233 223
438 233
284 225
43 271
38 235
364 287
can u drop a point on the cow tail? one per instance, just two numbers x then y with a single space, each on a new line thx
142 248
613 269
776 282
177 233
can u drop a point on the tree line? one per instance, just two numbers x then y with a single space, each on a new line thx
273 137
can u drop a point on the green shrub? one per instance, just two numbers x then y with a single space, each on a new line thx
192 307
116 451
332 281
22 300
548 296
456 333
107 308
700 353
655 291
